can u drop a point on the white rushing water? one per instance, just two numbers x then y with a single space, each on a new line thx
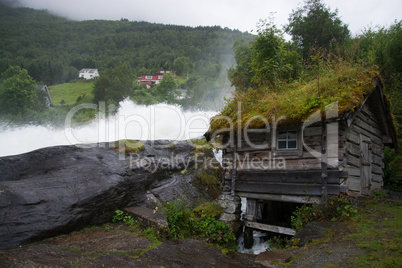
259 245
131 121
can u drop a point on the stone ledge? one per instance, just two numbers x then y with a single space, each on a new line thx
147 218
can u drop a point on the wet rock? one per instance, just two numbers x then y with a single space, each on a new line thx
99 240
116 260
194 253
59 189
269 258
40 256
100 247
312 230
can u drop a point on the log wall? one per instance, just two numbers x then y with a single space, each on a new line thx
261 169
364 125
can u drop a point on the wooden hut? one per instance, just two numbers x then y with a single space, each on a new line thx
303 155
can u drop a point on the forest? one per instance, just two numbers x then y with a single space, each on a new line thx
53 50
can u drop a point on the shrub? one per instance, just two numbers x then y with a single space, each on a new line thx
179 217
202 222
337 208
393 167
120 216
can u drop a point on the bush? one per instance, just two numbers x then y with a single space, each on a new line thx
120 216
179 217
337 208
202 222
393 167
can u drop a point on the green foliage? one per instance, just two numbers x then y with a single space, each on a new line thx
393 166
202 222
270 57
265 61
304 215
337 208
314 25
283 242
143 95
75 92
183 66
18 94
209 209
210 178
151 234
114 84
381 46
166 89
240 76
180 219
121 216
340 81
379 234
379 194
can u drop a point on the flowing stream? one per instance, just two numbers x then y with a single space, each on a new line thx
131 121
259 245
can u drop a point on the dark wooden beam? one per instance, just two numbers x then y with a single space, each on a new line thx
302 199
298 176
287 188
270 228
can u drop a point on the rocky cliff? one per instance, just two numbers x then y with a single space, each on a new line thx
59 189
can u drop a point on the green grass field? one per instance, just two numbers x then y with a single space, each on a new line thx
70 92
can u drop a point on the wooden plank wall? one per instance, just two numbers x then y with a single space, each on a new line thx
260 170
365 123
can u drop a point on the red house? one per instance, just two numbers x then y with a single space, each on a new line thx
149 79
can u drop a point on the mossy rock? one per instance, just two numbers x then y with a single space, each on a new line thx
128 146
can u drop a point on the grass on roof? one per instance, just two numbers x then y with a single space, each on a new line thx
340 82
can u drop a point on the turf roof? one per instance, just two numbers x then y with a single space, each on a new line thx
346 84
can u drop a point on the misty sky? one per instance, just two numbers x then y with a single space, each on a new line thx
234 14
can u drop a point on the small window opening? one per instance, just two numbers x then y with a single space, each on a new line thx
287 140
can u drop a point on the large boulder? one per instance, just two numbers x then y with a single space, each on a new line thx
59 189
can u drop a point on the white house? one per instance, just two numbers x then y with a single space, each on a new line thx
87 73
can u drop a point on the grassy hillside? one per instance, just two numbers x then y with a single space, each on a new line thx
71 92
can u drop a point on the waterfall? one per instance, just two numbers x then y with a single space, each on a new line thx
259 245
132 121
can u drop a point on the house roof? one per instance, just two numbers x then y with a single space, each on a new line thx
88 70
346 87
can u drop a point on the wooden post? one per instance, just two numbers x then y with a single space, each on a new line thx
251 210
234 167
324 163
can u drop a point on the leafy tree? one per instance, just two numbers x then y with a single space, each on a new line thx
265 61
271 59
314 25
166 89
115 84
183 66
241 75
17 92
143 95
